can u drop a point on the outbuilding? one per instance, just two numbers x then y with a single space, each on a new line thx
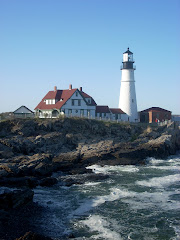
23 112
154 114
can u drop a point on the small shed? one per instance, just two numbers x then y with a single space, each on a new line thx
23 112
154 114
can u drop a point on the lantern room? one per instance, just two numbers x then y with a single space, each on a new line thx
128 60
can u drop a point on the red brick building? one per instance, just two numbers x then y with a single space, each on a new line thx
154 114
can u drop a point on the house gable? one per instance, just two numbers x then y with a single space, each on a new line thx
76 100
23 110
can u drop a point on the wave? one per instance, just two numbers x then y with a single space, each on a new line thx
101 226
159 182
108 169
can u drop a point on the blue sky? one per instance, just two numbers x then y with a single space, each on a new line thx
47 43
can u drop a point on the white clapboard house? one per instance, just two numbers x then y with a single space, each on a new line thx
68 102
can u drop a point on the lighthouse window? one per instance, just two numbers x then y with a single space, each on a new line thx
132 100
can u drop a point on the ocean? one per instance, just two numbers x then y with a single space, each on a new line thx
135 202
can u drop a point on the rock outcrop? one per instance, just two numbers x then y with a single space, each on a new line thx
31 150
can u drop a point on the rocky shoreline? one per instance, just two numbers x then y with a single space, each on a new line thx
32 150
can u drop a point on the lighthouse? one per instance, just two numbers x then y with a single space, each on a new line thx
127 98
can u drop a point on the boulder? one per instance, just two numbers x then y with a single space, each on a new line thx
14 199
69 181
49 181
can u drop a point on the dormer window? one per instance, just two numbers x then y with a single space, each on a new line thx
50 101
76 94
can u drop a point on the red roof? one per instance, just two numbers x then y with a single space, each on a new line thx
155 109
85 95
62 95
116 110
102 109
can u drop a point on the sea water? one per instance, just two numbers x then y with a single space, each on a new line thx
135 202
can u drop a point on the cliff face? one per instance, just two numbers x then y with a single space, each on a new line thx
36 148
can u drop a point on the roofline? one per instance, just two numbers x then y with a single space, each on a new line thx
23 106
153 108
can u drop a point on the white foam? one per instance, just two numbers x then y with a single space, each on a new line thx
91 183
149 200
177 231
160 182
169 161
107 169
89 204
98 224
171 168
155 161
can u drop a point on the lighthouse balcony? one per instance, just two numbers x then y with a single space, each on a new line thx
127 67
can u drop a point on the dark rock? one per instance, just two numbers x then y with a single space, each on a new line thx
29 182
70 181
43 169
14 199
4 215
84 178
49 181
71 235
33 236
80 170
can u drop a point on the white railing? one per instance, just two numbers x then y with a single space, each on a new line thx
166 122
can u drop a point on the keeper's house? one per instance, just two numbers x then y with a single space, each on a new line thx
69 102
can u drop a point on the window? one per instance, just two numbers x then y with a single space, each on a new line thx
76 94
76 111
132 100
79 102
72 102
104 114
89 100
88 113
69 111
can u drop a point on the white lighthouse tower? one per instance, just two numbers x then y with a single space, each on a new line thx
127 98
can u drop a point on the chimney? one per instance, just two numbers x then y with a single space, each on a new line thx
70 86
80 89
55 88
